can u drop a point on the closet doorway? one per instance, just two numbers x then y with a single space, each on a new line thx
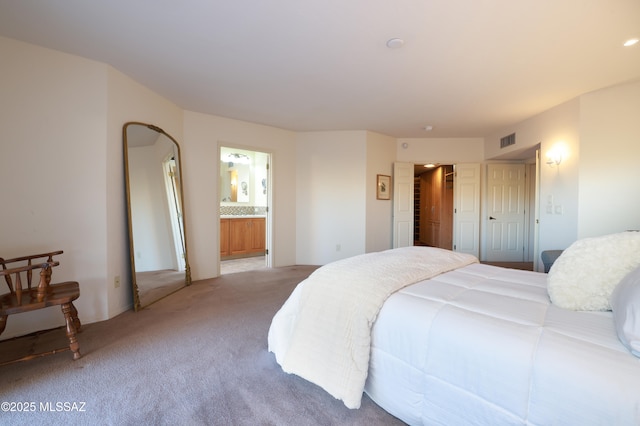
433 205
244 196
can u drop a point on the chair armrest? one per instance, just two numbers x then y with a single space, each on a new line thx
49 257
43 286
16 270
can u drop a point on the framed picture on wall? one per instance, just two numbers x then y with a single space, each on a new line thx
383 187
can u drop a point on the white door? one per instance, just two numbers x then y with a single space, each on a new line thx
466 209
505 212
402 204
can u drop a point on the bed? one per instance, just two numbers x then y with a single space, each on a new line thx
458 342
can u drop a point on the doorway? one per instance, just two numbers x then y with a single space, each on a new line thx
433 206
466 213
244 201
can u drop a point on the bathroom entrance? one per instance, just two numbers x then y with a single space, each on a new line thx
244 209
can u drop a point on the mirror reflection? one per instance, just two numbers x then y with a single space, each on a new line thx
157 238
243 177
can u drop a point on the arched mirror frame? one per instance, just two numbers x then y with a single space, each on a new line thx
137 302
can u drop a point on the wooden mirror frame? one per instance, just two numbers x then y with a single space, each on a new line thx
138 301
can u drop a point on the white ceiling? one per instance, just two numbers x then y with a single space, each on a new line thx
467 68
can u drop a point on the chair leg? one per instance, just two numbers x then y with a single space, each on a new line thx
3 323
67 310
74 317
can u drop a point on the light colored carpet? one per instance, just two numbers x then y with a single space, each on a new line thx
197 357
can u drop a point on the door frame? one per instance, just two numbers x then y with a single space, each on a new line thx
269 187
403 211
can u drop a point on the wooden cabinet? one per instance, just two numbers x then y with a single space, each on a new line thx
242 237
224 237
257 235
436 207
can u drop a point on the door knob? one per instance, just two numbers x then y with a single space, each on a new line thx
492 218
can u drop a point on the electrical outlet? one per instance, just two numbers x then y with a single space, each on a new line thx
116 281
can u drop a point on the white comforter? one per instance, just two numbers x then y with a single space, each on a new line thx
322 332
483 345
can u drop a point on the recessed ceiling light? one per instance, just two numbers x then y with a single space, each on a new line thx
430 165
630 42
395 43
428 128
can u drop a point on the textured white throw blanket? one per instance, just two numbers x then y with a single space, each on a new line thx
323 331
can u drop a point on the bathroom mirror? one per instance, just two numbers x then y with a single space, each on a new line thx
235 175
157 237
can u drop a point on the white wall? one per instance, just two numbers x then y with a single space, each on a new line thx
609 188
381 153
203 134
331 196
440 150
52 110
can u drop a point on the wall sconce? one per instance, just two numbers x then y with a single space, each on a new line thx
554 156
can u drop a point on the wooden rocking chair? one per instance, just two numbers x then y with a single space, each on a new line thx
28 299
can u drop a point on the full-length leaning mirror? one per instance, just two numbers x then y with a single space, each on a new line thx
157 237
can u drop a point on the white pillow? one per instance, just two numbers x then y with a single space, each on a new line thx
585 274
625 303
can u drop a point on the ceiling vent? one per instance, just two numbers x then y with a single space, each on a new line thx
508 140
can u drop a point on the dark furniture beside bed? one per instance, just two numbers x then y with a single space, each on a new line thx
19 271
549 257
